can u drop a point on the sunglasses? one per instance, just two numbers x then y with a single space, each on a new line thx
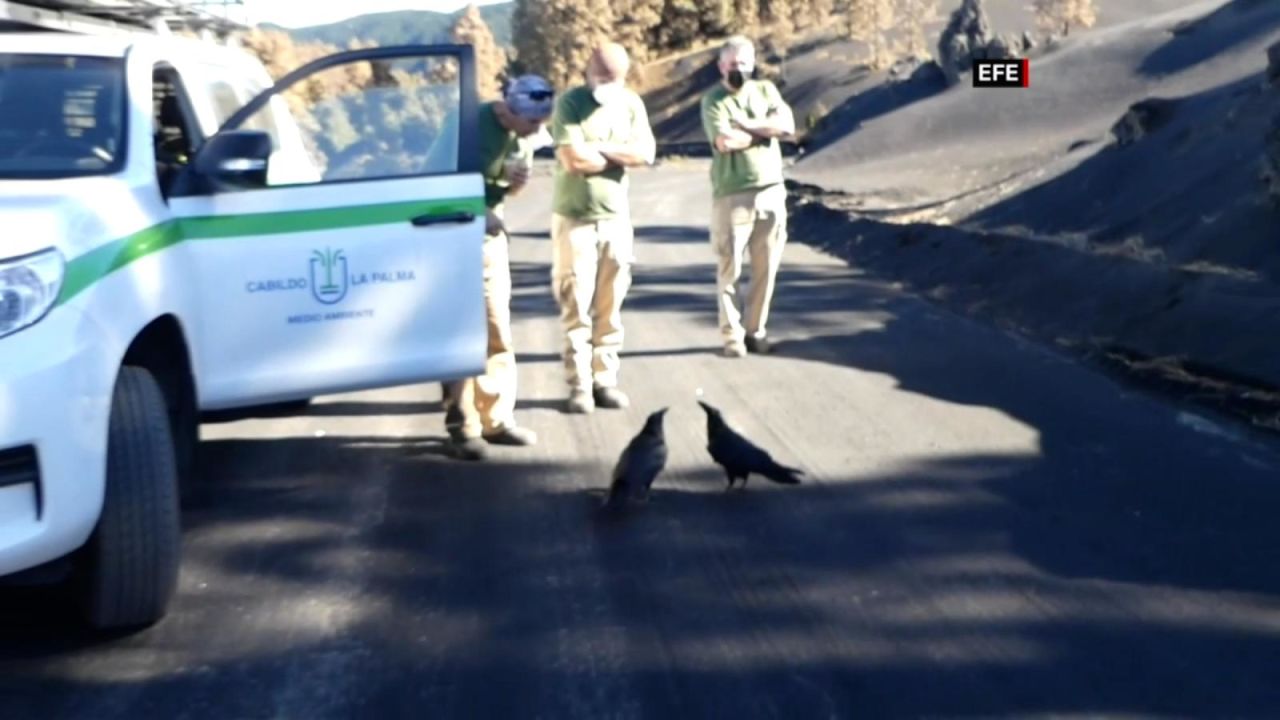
540 95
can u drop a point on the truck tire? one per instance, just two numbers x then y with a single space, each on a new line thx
131 569
184 425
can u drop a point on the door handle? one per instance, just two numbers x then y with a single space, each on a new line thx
456 218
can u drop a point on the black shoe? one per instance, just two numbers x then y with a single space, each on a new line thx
758 346
611 398
513 436
579 403
470 449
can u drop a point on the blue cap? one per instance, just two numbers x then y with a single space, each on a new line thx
531 97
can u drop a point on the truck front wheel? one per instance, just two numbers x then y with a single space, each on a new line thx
131 561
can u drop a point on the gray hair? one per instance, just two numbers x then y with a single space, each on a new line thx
736 45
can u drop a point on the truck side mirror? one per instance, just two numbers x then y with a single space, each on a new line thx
235 159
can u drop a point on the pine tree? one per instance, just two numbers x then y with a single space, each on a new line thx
636 23
715 17
491 60
746 17
813 14
913 19
280 54
780 16
532 35
869 21
358 75
681 24
555 37
686 22
1057 17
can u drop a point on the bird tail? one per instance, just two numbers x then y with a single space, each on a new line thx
612 510
784 475
618 499
615 500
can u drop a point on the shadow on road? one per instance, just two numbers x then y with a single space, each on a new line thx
943 587
1118 570
1125 506
645 233
549 358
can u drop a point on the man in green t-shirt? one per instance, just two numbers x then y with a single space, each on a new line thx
743 120
481 411
600 130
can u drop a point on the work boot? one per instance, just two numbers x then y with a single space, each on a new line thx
758 346
611 398
580 402
513 436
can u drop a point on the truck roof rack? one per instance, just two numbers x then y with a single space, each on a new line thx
215 20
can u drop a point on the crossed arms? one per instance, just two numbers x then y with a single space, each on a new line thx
586 158
581 156
742 134
731 134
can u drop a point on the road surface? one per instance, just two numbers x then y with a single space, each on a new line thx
988 528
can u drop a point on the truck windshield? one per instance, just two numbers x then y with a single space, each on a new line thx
60 116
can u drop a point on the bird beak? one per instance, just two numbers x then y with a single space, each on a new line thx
705 406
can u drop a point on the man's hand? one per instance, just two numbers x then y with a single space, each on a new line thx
776 125
733 140
517 177
626 155
493 224
582 159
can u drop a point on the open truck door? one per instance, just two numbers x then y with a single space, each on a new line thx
361 270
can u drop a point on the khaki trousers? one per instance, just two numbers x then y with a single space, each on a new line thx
590 276
752 222
486 404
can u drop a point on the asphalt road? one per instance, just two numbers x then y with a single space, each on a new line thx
988 529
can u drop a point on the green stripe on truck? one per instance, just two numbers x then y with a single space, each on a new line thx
87 269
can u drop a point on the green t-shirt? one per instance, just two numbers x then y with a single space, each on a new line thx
580 119
497 144
756 167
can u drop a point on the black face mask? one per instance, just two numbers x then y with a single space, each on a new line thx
736 79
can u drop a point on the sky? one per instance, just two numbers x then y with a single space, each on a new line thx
299 13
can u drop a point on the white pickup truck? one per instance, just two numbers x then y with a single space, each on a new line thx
178 235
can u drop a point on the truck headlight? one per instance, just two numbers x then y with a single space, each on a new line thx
29 286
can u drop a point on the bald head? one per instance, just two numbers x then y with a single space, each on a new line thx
609 64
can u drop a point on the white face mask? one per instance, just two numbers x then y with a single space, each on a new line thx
609 94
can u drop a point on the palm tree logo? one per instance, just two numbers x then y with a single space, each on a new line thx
328 276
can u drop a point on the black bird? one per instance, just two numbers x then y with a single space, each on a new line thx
639 464
739 457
